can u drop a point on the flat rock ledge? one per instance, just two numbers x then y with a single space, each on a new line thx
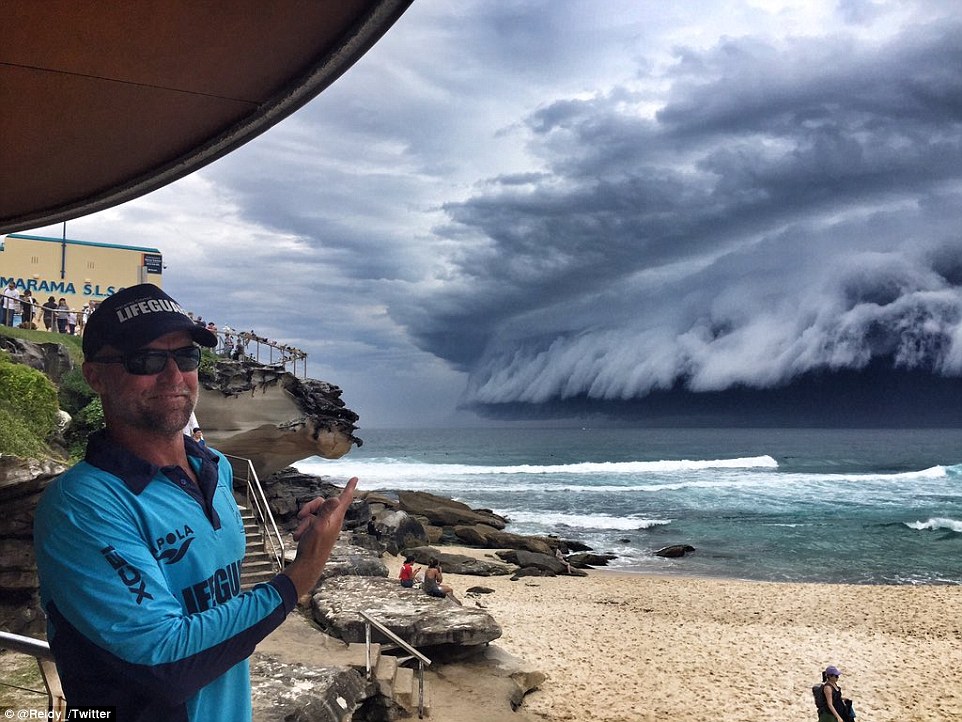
284 692
418 619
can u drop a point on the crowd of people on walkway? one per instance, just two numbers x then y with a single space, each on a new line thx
22 310
234 344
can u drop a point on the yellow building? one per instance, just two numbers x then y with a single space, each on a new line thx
78 271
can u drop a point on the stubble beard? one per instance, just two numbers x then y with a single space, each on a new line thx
159 421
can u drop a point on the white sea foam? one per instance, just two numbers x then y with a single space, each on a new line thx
394 469
584 521
936 523
934 472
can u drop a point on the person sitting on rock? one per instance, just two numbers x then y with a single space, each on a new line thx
406 575
433 579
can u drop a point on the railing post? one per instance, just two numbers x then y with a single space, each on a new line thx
56 702
367 647
420 689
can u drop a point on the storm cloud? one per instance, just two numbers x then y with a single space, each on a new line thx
526 205
791 208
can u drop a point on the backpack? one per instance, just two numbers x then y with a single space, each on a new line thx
819 695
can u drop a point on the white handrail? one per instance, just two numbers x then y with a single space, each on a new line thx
369 621
39 650
262 511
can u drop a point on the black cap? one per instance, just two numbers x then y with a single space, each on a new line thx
135 316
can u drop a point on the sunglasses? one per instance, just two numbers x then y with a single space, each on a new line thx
151 361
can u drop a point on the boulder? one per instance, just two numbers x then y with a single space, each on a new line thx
419 619
399 530
375 498
281 691
531 572
458 563
52 359
525 559
571 545
526 681
487 537
507 540
587 560
674 551
446 512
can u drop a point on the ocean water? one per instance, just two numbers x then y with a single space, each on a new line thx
854 506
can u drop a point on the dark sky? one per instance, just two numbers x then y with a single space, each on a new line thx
524 201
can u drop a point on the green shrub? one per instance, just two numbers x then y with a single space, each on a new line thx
16 438
28 404
88 420
208 362
74 393
30 394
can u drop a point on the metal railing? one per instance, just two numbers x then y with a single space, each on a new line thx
257 503
39 650
423 661
275 352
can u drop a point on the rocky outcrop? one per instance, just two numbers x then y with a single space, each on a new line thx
21 483
50 358
272 417
458 563
419 619
440 511
288 490
282 691
349 559
486 537
545 563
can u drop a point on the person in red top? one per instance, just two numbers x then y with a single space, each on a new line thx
407 573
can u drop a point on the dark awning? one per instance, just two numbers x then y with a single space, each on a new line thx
101 102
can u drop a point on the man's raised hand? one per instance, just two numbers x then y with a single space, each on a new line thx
320 523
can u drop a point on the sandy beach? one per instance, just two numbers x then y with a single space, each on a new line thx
630 648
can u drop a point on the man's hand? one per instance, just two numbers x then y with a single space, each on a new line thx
320 523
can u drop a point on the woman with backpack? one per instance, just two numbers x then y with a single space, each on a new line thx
828 698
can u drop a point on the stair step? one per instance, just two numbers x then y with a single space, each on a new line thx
357 656
384 675
257 567
406 691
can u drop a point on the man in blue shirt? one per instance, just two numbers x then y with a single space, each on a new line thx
139 546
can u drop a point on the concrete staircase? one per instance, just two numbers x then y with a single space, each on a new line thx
258 564
397 685
393 688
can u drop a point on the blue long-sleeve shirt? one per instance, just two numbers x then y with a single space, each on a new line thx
140 579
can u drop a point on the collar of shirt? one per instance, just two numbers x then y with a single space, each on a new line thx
137 473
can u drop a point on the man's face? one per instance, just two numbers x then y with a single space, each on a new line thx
159 404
